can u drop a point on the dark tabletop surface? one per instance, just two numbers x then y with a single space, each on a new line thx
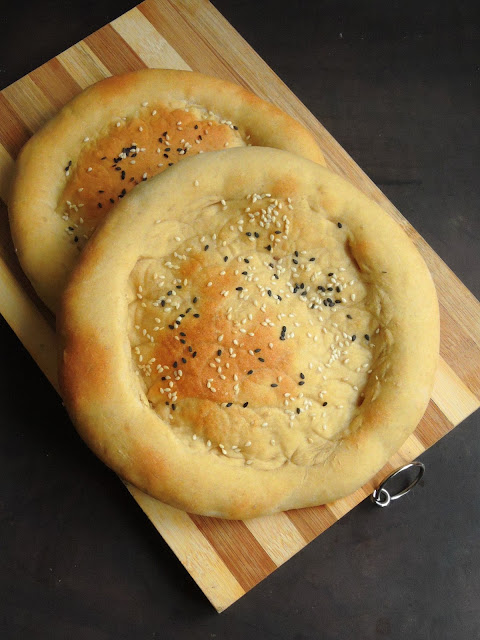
397 84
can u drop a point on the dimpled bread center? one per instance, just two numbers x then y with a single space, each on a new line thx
131 150
254 341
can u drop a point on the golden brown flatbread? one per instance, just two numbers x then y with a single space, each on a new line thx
248 333
116 134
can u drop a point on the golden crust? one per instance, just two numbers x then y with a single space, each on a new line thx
71 172
296 397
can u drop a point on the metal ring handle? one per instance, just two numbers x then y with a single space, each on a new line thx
382 498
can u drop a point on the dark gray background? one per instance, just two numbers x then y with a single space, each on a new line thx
397 84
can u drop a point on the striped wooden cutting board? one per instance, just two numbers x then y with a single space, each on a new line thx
225 558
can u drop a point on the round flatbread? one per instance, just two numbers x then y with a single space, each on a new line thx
248 333
116 134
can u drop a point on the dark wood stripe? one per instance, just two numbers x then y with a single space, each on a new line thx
312 521
113 51
13 131
434 425
55 82
245 558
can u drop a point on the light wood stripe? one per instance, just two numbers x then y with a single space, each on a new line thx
83 65
451 396
277 535
113 51
7 166
238 548
196 553
143 38
13 132
57 85
27 100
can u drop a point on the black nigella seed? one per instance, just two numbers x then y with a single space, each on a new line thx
160 140
249 373
277 232
244 273
183 341
294 261
275 276
245 404
262 359
164 378
339 225
101 191
194 354
219 352
229 404
349 316
175 364
99 205
165 155
163 303
196 126
170 164
354 337
324 404
367 337
256 234
302 286
274 385
246 260
182 333
301 382
302 376
238 288
179 286
112 200
320 288
298 410
248 233
256 350
304 293
188 310
75 239
173 407
169 293
167 149
122 175
331 273
235 127
329 288
196 315
190 349
194 300
269 291
268 247
205 248
325 303
225 259
170 326
312 259
338 301
164 133
184 360
338 289
296 254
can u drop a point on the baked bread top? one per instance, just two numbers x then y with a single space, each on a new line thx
116 134
248 333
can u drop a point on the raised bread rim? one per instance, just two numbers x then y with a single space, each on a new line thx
106 402
39 233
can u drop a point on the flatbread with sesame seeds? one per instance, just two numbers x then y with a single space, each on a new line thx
248 333
115 135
